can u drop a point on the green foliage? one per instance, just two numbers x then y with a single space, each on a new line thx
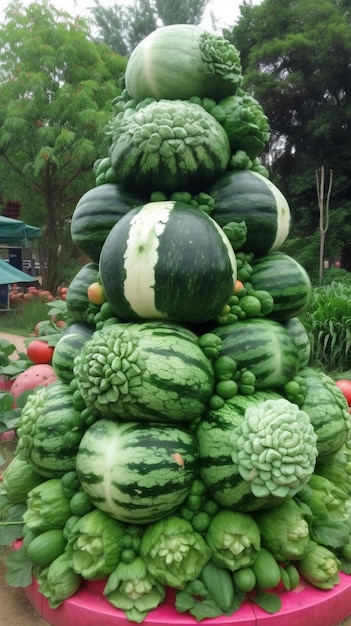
56 92
328 323
122 26
302 87
23 318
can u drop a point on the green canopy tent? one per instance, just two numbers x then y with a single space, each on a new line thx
8 276
16 231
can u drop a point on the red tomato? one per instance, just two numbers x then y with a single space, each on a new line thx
38 351
345 387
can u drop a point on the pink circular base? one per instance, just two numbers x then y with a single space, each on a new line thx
303 606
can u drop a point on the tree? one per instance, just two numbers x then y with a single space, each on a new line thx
56 92
296 60
122 26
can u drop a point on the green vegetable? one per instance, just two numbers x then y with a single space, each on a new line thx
47 506
236 233
234 539
58 581
18 479
136 472
266 570
274 448
144 264
131 588
320 566
284 530
46 547
173 552
244 579
181 61
338 469
326 500
219 582
94 545
244 122
152 372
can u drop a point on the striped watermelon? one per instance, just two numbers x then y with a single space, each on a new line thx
167 260
299 333
245 195
216 468
287 282
328 412
79 307
96 213
136 473
67 348
152 371
50 430
262 346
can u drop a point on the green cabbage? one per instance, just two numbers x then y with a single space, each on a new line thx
94 545
47 506
58 581
284 530
173 552
133 590
320 567
234 538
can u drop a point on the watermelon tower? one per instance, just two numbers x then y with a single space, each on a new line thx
183 432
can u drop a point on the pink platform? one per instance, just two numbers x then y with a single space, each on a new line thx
305 606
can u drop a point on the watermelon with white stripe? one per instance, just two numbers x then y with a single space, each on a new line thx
167 260
136 473
245 195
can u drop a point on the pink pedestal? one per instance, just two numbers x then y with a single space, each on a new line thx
305 606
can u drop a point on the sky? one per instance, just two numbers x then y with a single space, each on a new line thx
225 11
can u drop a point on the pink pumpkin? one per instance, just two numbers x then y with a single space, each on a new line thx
34 376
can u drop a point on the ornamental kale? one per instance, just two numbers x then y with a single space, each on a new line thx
274 448
173 552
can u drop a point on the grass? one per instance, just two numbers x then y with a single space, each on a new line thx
21 319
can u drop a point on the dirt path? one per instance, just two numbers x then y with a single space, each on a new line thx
15 610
